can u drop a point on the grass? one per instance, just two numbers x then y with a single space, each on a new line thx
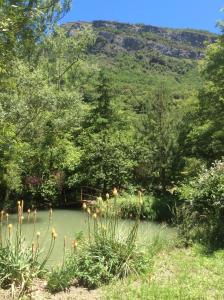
176 273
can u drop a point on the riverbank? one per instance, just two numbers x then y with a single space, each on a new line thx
175 273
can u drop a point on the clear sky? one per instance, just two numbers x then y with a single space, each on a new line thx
199 14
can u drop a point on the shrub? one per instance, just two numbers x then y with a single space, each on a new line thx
153 208
106 254
201 218
162 207
20 263
17 266
128 206
60 278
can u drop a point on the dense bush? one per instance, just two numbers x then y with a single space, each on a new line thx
202 215
128 206
153 208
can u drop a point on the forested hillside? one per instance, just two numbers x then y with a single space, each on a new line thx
99 104
127 122
140 56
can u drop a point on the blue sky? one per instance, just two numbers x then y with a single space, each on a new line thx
199 14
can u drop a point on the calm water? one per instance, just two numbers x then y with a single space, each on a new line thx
70 223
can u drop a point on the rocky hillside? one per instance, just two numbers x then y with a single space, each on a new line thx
114 37
142 56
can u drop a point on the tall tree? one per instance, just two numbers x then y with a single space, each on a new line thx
157 136
106 142
206 137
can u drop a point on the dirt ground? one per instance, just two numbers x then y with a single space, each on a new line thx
38 292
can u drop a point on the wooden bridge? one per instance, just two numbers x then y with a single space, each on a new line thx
89 195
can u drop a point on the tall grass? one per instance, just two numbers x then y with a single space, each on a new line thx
21 262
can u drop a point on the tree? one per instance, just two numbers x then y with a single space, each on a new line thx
38 119
106 142
25 22
157 140
206 138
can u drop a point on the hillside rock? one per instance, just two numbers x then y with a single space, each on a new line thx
115 37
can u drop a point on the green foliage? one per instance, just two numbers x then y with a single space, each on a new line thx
205 137
107 159
20 261
157 139
23 24
18 267
128 206
202 215
175 274
60 278
106 255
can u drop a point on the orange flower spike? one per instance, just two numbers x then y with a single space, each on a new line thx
115 192
74 244
2 215
54 236
10 227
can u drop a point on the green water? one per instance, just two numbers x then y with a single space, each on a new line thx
70 223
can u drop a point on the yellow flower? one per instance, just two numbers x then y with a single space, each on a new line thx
88 211
10 226
107 196
84 206
94 216
21 218
10 229
2 215
38 234
55 235
115 192
74 244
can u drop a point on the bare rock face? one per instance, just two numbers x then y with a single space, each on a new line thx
131 43
115 37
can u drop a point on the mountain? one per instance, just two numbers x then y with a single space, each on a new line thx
113 37
141 56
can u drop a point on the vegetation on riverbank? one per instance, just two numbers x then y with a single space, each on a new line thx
67 120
